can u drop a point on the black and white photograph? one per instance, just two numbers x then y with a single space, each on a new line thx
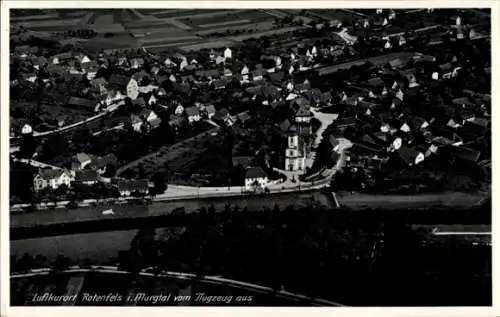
245 157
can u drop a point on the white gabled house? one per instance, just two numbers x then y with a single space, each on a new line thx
51 178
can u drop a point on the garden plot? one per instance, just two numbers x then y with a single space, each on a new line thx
175 157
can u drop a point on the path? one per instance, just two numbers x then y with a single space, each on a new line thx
326 119
109 110
35 163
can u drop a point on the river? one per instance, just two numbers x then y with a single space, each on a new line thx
102 246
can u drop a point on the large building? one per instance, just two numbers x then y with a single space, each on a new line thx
295 156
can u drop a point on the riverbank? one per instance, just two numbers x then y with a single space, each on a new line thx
356 201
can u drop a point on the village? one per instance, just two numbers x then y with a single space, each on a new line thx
352 108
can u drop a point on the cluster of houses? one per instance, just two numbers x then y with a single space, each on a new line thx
87 170
389 130
153 83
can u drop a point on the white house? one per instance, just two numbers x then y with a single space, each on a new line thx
132 89
405 128
152 100
193 114
402 41
397 143
219 60
228 53
84 59
51 179
183 64
278 62
179 109
26 129
400 95
314 51
392 15
255 178
168 62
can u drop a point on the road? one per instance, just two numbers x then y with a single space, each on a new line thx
36 163
20 219
66 128
217 280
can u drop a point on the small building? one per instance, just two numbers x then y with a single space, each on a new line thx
132 187
193 114
210 111
410 156
26 129
223 116
255 179
303 115
243 117
51 178
100 164
87 177
127 86
80 161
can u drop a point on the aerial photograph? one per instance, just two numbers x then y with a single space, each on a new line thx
250 157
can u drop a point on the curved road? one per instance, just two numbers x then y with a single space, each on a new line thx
188 276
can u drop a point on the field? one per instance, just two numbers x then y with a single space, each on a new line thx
153 28
233 17
345 16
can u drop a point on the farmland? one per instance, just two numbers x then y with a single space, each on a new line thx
129 28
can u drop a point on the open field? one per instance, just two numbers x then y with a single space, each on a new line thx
265 33
207 45
232 16
117 42
335 14
161 40
48 23
180 13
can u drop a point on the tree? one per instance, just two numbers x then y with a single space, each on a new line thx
160 186
61 263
